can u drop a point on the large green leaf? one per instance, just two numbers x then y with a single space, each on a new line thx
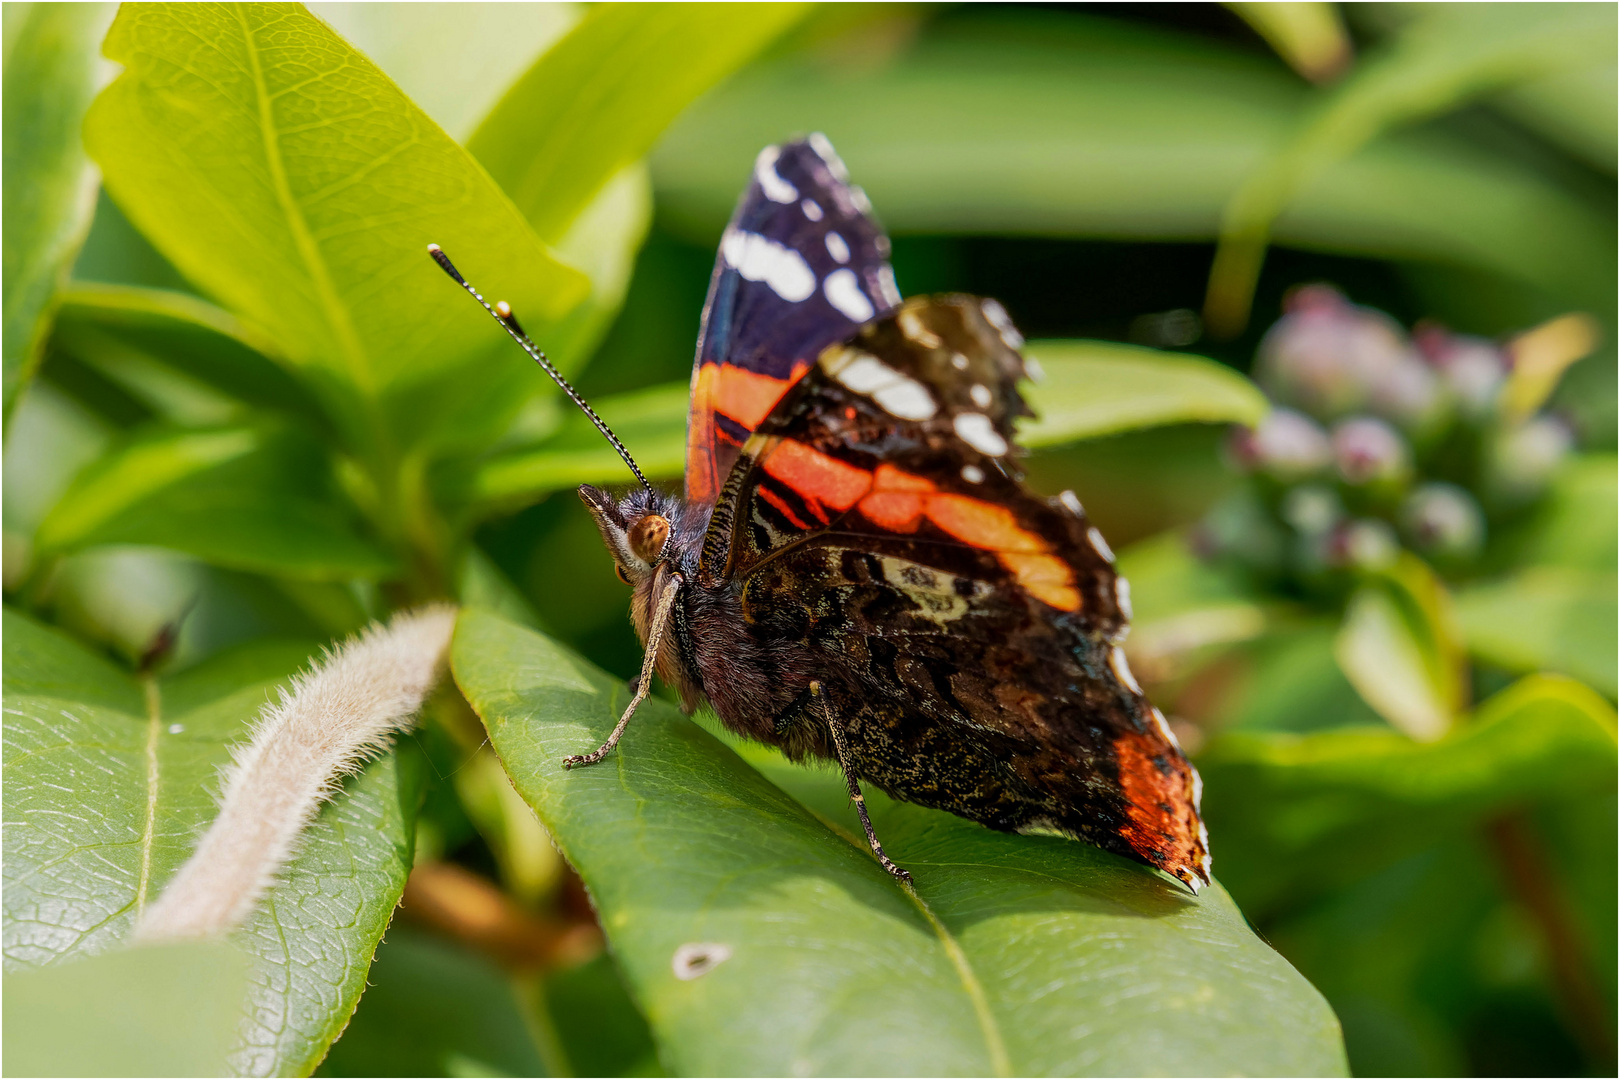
1043 124
1451 54
245 498
1545 619
282 172
1015 955
108 782
51 72
454 60
597 100
1299 815
119 1014
566 141
1094 388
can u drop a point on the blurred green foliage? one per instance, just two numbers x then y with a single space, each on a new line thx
253 416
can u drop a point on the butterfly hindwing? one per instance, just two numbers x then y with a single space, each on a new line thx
966 629
801 265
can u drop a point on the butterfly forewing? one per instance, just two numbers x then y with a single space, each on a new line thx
801 265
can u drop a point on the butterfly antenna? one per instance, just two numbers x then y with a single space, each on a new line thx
502 313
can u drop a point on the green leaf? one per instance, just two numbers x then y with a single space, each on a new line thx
1545 619
435 1009
1299 815
51 73
1016 955
566 141
186 359
1039 124
597 101
1399 647
303 204
245 498
1575 109
1443 59
454 61
1576 526
108 783
166 1010
651 422
1094 388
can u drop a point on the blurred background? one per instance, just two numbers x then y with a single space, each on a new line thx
1399 219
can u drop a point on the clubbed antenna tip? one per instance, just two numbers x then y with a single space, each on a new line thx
501 311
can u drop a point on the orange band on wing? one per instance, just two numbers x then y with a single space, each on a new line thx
747 396
897 501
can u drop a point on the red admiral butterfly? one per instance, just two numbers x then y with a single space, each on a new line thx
856 573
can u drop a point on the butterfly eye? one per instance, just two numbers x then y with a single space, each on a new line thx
619 570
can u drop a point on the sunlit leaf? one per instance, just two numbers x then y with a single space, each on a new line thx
599 98
1094 388
246 498
1399 647
993 966
1302 814
109 781
303 199
1574 108
1577 526
116 1014
1545 619
51 72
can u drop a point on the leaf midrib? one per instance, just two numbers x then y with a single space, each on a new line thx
337 316
154 719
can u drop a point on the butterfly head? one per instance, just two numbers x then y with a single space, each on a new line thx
636 529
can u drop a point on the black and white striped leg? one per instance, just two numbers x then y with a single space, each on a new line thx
855 785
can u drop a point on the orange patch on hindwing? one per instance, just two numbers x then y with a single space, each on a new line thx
1158 802
821 480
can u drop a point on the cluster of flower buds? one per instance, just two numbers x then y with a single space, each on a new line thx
1380 439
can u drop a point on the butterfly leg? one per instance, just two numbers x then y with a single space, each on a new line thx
655 634
855 786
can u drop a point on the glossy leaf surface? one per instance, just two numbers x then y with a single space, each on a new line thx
303 203
109 779
51 72
1545 619
720 893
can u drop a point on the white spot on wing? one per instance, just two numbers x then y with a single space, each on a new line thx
1099 545
1122 669
770 181
844 293
978 432
980 395
864 373
1198 800
1122 596
812 209
824 150
837 248
972 474
758 258
1032 368
1072 504
996 316
959 362
1164 729
888 290
857 195
698 958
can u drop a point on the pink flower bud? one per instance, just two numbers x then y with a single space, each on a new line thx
1287 445
1330 357
1472 368
1368 449
1443 520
